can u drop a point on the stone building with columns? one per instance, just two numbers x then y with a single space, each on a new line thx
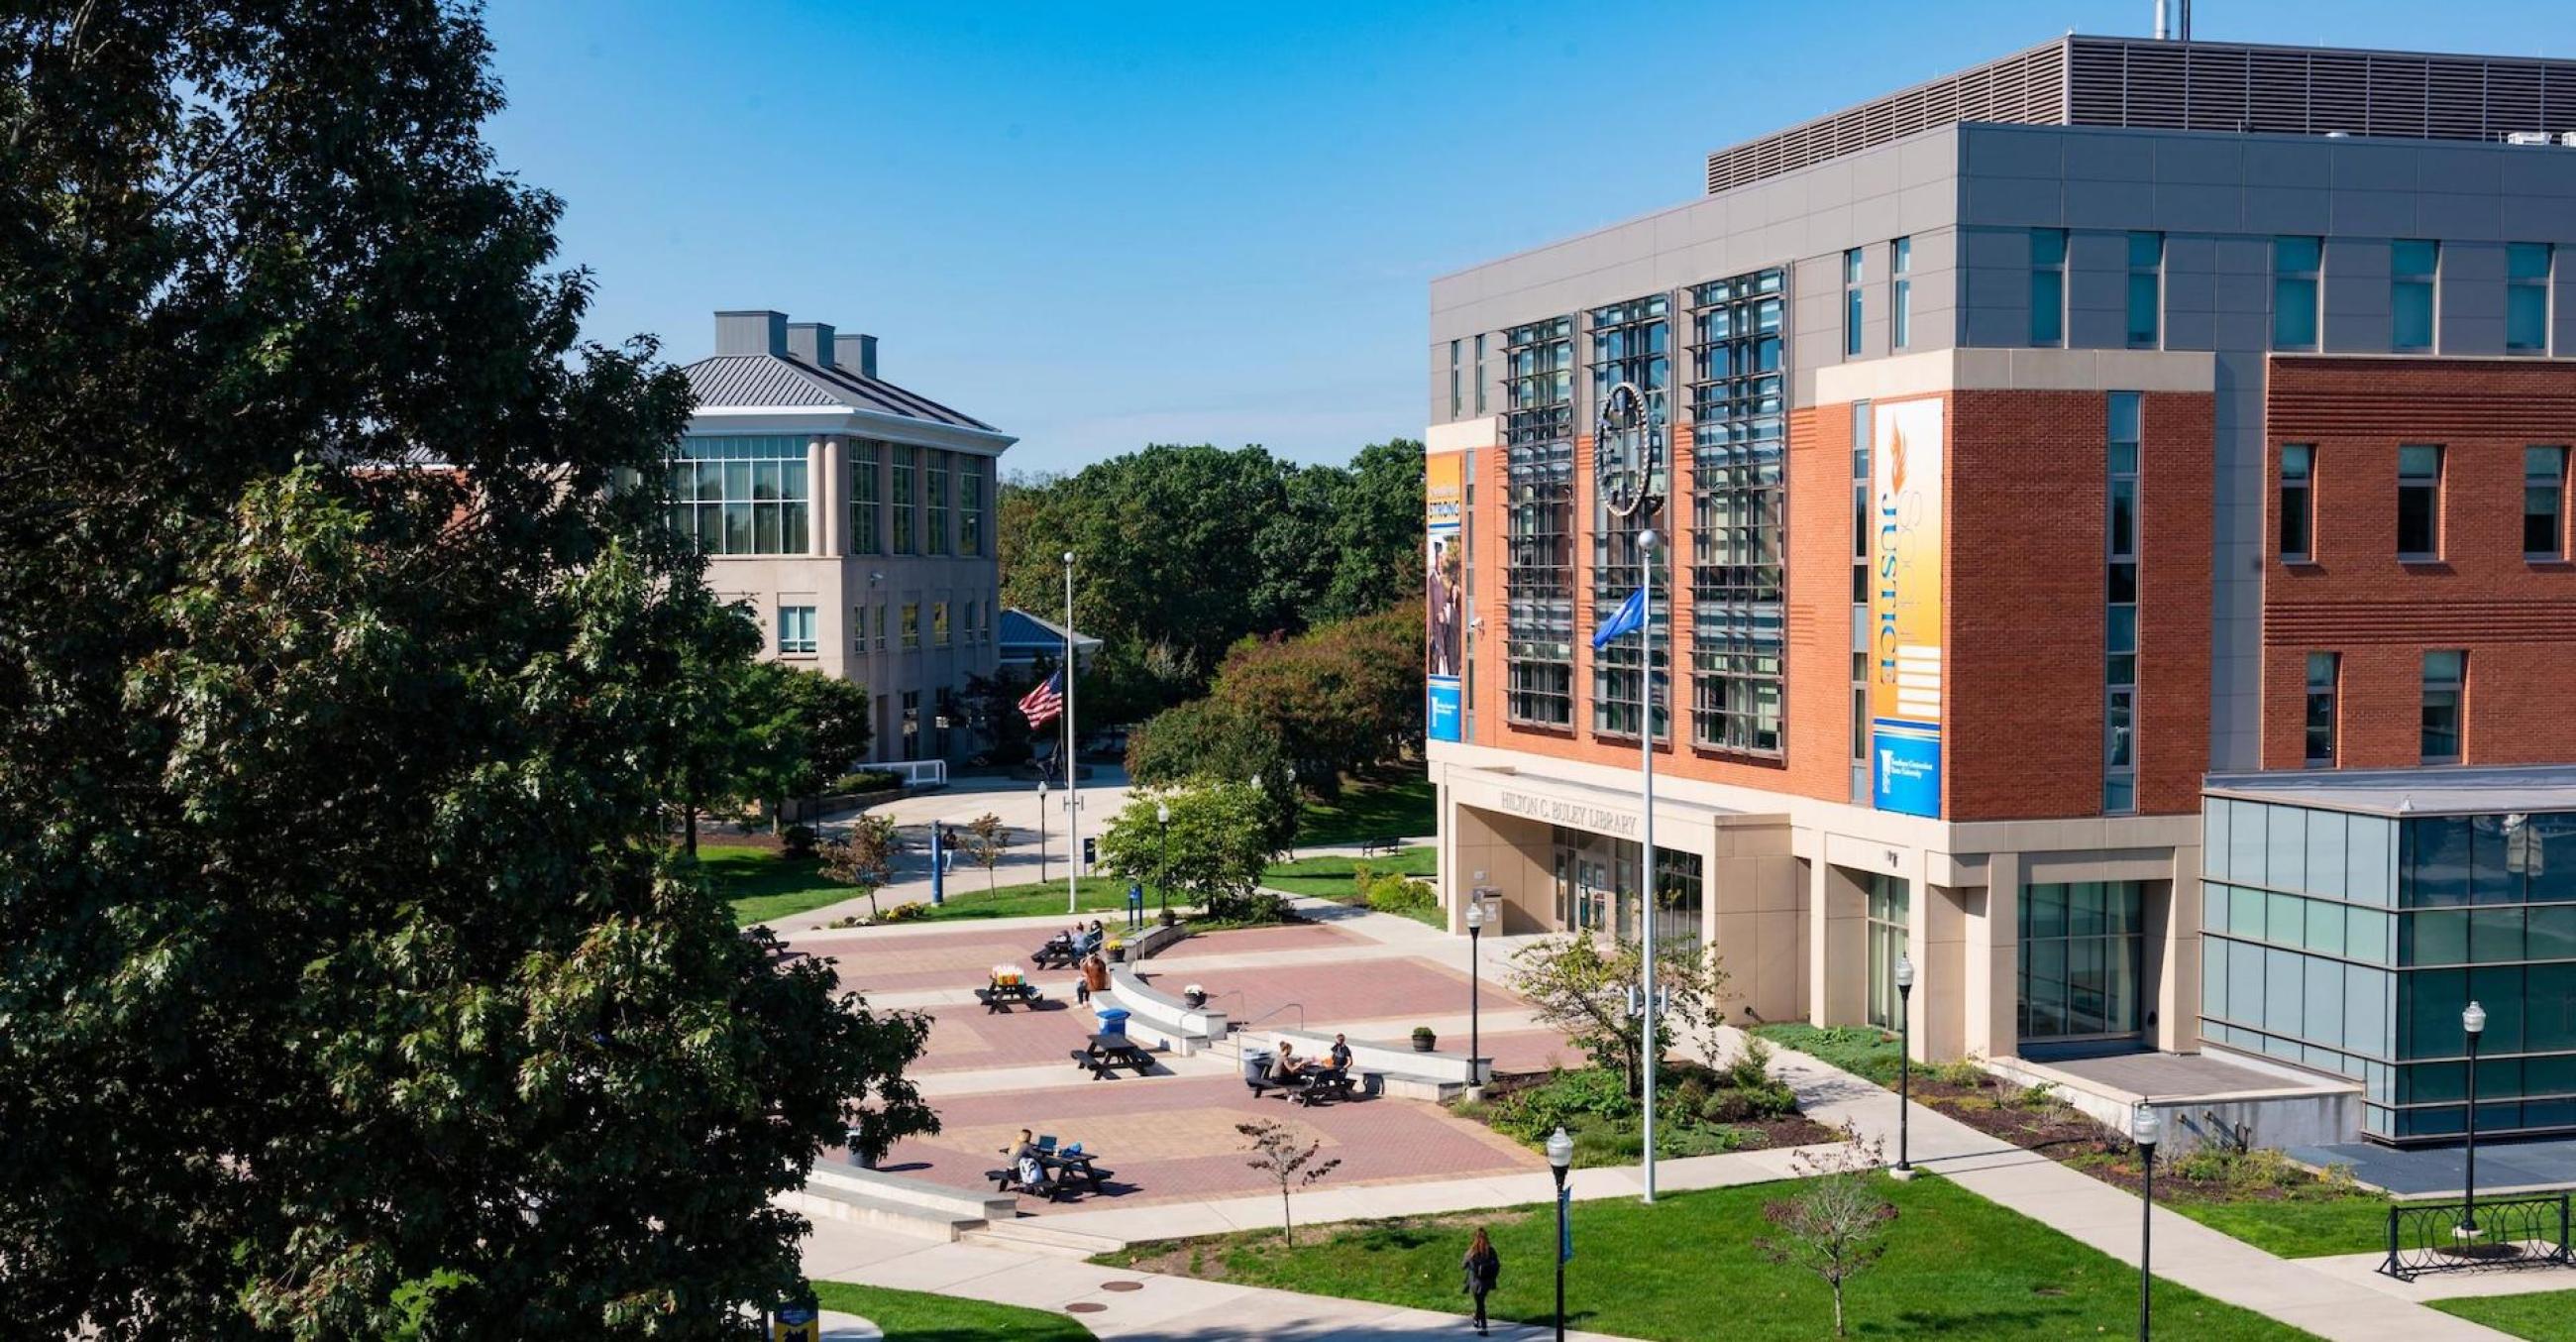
852 519
2113 444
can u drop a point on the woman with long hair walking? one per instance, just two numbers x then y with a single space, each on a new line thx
1484 1267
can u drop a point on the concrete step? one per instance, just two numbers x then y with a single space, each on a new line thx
822 1203
1034 1235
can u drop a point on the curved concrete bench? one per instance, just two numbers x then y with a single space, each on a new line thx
1158 1017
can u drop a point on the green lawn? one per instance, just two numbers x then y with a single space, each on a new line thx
764 887
912 1316
1689 1268
1330 877
1368 811
2542 1316
1864 1051
2300 1228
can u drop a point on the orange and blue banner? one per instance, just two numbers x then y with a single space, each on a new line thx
1444 592
1906 610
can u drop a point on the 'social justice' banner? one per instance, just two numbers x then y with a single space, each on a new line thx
1443 592
1905 608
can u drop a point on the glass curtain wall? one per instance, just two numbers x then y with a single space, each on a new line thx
1630 342
1739 499
1538 579
2083 955
742 495
1596 888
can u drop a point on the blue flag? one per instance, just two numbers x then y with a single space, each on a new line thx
1625 620
1564 1227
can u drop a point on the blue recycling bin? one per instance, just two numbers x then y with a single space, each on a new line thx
1113 1020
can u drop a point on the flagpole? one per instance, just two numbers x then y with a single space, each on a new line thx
1646 546
1072 766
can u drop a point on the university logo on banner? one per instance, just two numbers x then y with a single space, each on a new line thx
1906 607
1444 594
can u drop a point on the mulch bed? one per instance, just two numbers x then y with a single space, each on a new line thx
1998 1109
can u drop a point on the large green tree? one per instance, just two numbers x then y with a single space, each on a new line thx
348 986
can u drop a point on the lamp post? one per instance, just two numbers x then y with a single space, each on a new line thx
2473 1022
1163 870
2142 1129
1042 831
1295 805
1904 1064
1475 980
1072 765
1560 1153
1647 543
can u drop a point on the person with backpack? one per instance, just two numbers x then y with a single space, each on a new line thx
1484 1268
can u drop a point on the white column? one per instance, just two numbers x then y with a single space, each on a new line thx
816 514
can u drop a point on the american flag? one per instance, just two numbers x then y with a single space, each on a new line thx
1041 705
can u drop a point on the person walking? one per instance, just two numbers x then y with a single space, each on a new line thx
1484 1267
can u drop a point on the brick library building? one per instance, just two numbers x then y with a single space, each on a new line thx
2114 556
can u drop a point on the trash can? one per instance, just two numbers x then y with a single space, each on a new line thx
1256 1063
1113 1020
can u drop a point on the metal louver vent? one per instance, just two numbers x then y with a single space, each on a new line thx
2027 88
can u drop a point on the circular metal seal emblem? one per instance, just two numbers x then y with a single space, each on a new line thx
1622 449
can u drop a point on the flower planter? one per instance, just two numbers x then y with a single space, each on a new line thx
1195 996
1423 1040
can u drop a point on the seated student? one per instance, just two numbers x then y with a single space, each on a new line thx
1285 1069
1025 1165
1341 1054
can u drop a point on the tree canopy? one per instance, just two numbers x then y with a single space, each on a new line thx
349 986
1186 550
1330 701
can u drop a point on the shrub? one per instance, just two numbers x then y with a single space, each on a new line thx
907 913
1248 909
1967 1073
1392 892
796 841
865 780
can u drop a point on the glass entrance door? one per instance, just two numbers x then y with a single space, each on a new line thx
1890 909
2083 954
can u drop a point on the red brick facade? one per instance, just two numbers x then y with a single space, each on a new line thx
2024 703
2513 616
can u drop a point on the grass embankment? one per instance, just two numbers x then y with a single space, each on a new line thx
1370 810
764 887
1689 1267
1335 878
913 1316
2255 1196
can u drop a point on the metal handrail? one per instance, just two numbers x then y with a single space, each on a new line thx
1236 1028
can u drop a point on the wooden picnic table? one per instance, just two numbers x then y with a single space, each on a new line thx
1001 997
1105 1051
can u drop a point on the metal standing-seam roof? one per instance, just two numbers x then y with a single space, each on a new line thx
755 381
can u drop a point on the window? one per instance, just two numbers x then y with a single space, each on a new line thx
2120 676
2419 502
1853 270
970 507
866 505
2298 503
938 516
881 626
1631 342
906 496
1538 579
1739 490
2526 297
858 629
1480 375
2323 669
2544 493
2083 958
2294 292
1888 907
2146 289
795 628
911 625
1860 430
1900 293
2412 264
939 624
2048 286
741 495
1453 379
2445 672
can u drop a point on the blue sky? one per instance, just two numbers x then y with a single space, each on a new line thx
1098 226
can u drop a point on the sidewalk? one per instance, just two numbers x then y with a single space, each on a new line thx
1154 1308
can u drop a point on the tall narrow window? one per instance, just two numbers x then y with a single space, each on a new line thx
866 507
2048 286
796 629
911 625
2412 265
939 629
907 495
937 530
970 507
1739 490
966 625
1453 379
880 625
1853 272
2419 502
1538 575
2544 497
1630 342
2294 292
2526 297
2120 583
1480 375
2298 503
2146 289
2323 672
2445 673
1900 293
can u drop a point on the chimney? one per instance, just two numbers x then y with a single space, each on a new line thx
856 354
754 331
810 341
